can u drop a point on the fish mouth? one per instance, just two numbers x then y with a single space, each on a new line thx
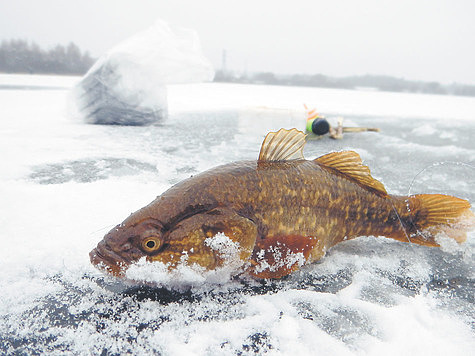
104 258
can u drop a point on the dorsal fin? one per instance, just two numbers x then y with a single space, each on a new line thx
349 164
283 145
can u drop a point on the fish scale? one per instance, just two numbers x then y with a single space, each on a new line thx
281 210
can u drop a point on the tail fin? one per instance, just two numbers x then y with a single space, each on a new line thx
434 214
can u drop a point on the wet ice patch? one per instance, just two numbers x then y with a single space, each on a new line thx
89 170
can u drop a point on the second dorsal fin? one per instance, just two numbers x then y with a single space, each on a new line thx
349 164
283 145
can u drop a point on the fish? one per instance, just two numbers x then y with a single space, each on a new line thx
280 211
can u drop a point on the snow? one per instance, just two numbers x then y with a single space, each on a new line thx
221 243
64 184
329 102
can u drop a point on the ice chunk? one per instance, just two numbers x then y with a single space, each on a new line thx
127 86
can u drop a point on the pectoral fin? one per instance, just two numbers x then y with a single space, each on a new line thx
278 256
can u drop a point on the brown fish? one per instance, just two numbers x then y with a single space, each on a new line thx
281 211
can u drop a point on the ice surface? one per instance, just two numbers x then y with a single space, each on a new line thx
127 86
64 184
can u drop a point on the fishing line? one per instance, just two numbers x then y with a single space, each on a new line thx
437 164
400 221
443 163
461 164
102 229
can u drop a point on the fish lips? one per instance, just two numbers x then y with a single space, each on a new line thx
104 258
117 250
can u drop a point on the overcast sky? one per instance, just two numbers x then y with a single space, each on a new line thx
412 39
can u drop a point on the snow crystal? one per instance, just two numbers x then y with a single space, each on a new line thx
157 273
226 248
282 257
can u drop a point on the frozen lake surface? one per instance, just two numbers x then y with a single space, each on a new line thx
64 184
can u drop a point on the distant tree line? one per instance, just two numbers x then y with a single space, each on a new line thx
20 56
378 82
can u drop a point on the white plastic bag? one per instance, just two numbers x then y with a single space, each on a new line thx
127 85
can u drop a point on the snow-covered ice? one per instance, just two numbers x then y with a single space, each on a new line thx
64 184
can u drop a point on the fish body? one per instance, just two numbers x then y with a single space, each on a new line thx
281 211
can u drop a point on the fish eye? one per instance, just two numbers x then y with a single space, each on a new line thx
151 244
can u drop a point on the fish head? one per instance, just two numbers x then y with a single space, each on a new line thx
127 243
184 241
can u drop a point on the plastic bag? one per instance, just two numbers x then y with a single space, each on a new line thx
127 86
